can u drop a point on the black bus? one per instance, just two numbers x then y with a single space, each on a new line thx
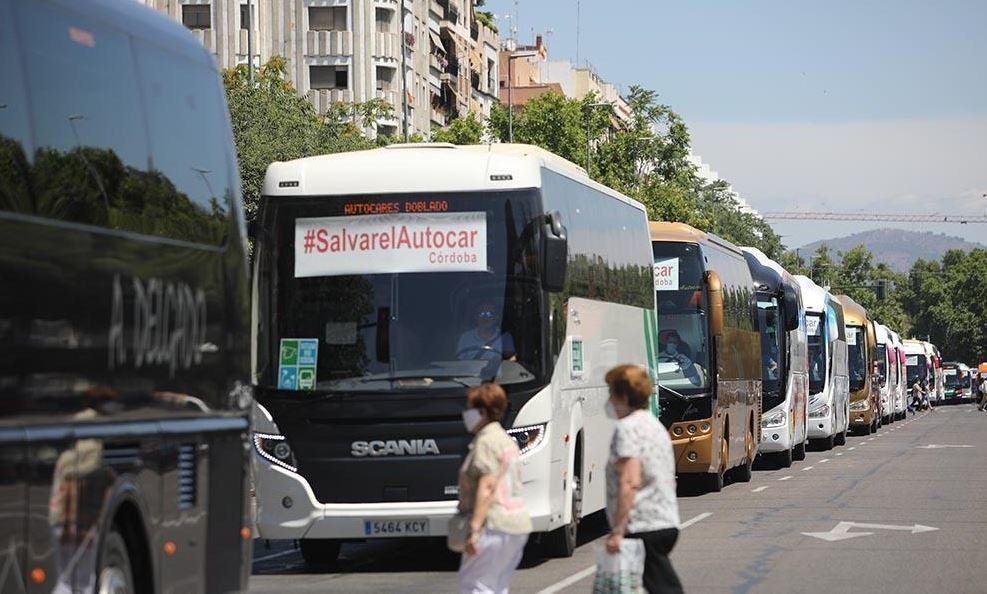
124 315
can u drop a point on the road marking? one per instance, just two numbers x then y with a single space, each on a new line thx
824 460
695 520
585 573
871 439
939 446
759 489
842 530
785 478
839 453
808 468
274 555
853 448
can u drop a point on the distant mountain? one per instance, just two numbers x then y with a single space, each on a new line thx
897 248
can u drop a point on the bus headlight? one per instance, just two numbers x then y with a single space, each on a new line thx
822 411
774 420
275 449
860 405
529 437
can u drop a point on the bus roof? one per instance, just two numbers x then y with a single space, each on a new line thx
426 167
813 296
881 333
682 233
853 312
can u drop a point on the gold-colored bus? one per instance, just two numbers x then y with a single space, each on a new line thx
865 409
709 367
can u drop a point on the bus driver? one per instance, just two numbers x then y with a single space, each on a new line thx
486 341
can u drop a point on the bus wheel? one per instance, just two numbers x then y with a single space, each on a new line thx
798 452
561 542
866 430
746 471
716 480
785 458
840 438
320 554
115 573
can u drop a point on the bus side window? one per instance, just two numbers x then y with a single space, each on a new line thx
186 125
95 146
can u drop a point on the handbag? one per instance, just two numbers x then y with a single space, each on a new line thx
459 531
620 573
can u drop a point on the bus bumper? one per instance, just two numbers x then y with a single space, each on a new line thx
862 418
693 453
821 428
775 439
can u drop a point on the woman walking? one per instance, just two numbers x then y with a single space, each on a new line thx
490 496
641 500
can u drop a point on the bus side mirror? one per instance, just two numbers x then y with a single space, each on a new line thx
791 304
715 289
554 253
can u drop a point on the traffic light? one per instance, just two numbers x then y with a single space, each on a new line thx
881 289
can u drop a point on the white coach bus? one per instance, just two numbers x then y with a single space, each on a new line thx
386 283
829 407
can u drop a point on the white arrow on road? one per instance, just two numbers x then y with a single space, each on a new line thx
842 530
938 446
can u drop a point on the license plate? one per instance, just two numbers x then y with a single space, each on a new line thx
417 527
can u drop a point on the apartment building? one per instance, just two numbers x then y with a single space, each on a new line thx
578 81
351 51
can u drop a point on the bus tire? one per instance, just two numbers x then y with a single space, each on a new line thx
866 430
116 575
798 452
716 480
745 472
320 554
561 542
840 438
784 459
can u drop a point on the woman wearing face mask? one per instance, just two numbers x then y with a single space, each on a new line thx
641 500
490 495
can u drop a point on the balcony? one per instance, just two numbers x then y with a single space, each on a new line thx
328 43
387 46
452 68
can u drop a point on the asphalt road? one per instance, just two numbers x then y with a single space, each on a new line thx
926 505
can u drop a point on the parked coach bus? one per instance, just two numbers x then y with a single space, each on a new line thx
124 357
899 375
887 368
957 381
828 383
784 360
938 378
380 298
865 410
711 378
918 366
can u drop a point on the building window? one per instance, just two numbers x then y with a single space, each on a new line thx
244 16
383 20
385 76
328 77
491 76
327 18
197 16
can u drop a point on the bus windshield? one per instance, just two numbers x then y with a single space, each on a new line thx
772 361
817 352
857 366
915 369
881 358
950 377
388 323
683 357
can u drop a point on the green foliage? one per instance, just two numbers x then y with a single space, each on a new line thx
271 122
467 129
487 18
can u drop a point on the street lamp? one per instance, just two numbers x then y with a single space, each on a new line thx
510 89
589 112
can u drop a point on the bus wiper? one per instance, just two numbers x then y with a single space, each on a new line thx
426 377
674 393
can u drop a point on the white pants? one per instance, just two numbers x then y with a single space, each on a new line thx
490 571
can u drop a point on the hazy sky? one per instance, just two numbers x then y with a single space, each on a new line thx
839 105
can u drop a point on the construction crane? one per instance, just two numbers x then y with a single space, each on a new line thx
864 216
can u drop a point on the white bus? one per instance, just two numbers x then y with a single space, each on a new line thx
886 360
896 372
785 379
380 278
829 407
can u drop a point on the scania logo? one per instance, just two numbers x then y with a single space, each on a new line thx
394 447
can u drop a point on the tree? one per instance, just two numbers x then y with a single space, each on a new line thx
467 129
271 122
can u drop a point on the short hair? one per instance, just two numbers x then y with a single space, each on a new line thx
631 382
489 399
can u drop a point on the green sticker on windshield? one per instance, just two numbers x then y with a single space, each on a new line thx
297 359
